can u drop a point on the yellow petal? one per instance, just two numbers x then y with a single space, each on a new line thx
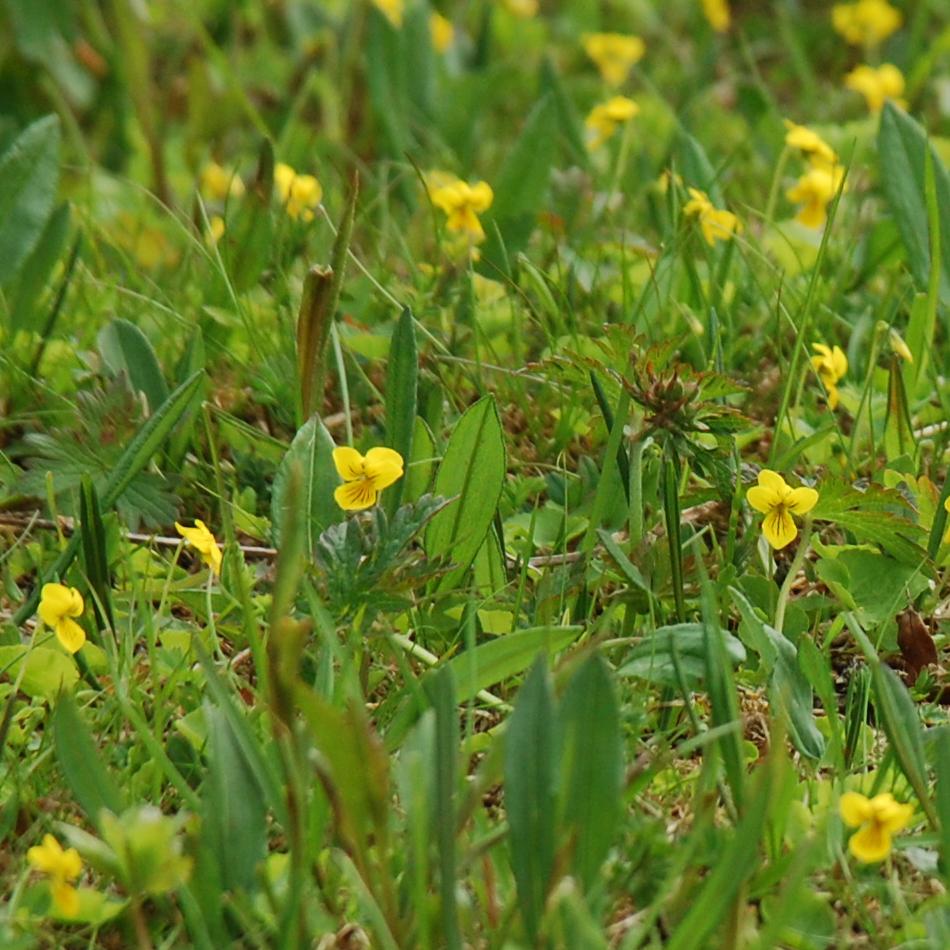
891 815
45 857
832 392
762 499
70 635
854 808
801 500
871 843
839 362
383 467
65 898
779 528
355 496
349 463
770 479
481 197
57 601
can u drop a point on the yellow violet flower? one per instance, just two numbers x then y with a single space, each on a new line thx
865 23
830 364
718 14
62 868
393 10
814 191
614 54
715 223
219 183
877 85
299 194
441 31
604 119
462 203
203 540
778 502
58 606
878 818
523 9
364 476
810 143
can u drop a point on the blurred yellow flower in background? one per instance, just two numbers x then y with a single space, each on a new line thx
810 143
877 85
878 819
461 202
865 23
614 54
59 604
523 9
814 191
716 224
718 14
62 868
299 194
218 182
604 119
831 365
441 31
393 10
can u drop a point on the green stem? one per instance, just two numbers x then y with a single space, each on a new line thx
793 570
775 186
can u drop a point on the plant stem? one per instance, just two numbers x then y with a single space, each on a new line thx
793 570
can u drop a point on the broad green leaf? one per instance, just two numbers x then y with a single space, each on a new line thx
48 671
498 660
521 188
419 469
473 470
82 767
312 450
591 767
789 690
126 349
29 175
531 761
35 272
402 374
901 145
234 820
652 658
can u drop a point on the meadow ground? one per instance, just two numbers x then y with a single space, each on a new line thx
474 474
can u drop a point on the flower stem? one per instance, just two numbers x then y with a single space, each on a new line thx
793 570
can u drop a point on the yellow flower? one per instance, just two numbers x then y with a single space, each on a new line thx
814 191
946 508
865 23
877 85
461 202
614 54
215 228
878 818
393 10
523 9
715 223
831 365
441 31
604 119
62 868
778 502
299 194
364 477
219 183
201 538
718 15
818 151
58 605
